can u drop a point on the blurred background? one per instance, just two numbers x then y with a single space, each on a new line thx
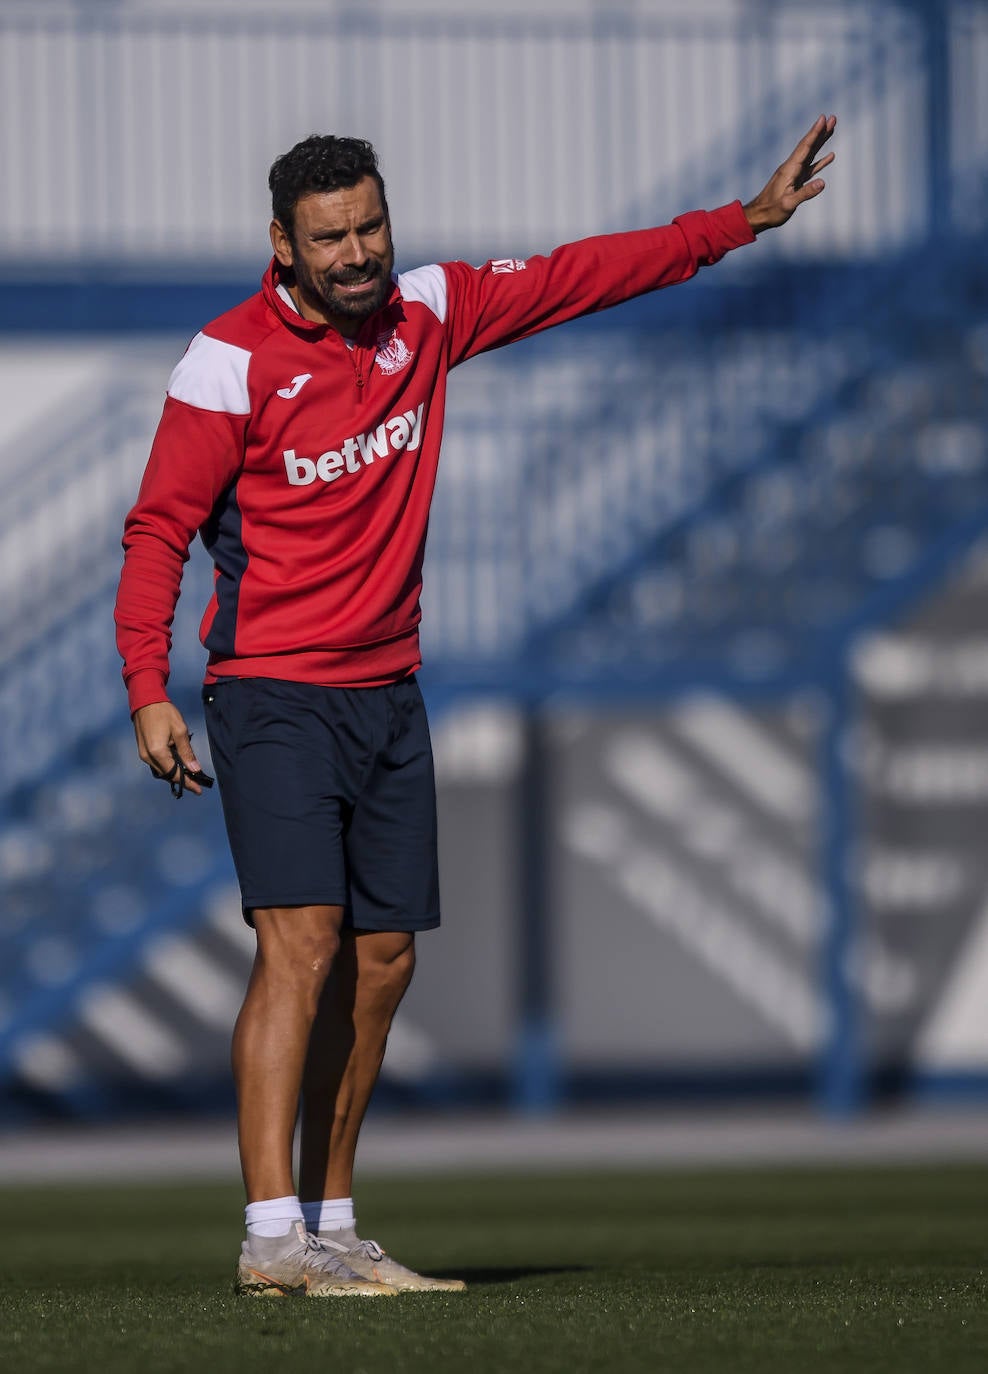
706 606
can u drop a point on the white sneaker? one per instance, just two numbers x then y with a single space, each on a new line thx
366 1258
300 1266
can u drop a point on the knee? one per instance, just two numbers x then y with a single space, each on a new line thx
315 955
401 968
296 952
386 968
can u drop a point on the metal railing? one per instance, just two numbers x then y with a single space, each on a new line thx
153 177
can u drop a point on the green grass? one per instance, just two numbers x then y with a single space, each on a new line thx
796 1270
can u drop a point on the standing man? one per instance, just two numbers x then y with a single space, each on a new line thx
300 437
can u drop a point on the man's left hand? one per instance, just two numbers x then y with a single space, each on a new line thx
795 181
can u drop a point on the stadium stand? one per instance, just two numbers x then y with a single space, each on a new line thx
747 489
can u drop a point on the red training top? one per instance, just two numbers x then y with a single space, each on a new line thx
308 466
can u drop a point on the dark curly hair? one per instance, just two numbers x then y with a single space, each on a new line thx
321 162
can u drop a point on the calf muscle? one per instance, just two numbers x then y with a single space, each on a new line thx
296 947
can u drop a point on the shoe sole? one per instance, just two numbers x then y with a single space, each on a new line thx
266 1288
379 1291
262 1286
416 1283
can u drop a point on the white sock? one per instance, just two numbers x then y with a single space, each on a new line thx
332 1214
274 1217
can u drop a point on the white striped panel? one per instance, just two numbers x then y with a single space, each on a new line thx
955 1035
748 755
46 1062
195 980
132 1033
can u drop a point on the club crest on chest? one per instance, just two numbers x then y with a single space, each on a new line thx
393 353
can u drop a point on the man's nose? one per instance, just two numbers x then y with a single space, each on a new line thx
352 250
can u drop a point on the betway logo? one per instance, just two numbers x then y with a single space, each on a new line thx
401 432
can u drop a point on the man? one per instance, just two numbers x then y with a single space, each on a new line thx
300 436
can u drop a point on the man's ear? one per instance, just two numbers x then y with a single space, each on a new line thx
281 243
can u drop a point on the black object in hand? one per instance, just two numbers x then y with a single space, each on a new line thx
176 778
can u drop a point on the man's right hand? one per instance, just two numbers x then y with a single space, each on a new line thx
157 728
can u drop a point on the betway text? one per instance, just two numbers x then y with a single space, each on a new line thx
401 432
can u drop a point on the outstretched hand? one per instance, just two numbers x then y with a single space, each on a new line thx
795 181
160 728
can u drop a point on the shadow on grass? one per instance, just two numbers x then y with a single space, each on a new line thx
509 1273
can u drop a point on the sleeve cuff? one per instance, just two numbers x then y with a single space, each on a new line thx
712 233
734 223
145 688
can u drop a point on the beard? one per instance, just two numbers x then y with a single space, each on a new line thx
324 286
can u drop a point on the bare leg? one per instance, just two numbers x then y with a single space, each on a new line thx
369 979
296 947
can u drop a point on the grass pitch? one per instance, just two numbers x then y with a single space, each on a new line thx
794 1270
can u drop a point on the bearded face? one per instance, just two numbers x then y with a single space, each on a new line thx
341 254
354 292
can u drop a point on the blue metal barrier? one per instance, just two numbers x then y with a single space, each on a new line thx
122 116
552 594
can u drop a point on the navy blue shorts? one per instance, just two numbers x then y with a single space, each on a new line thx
329 797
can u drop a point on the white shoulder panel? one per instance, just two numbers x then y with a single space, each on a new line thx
427 285
212 376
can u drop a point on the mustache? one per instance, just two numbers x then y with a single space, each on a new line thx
349 276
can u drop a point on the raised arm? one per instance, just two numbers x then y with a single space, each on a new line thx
795 181
510 298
